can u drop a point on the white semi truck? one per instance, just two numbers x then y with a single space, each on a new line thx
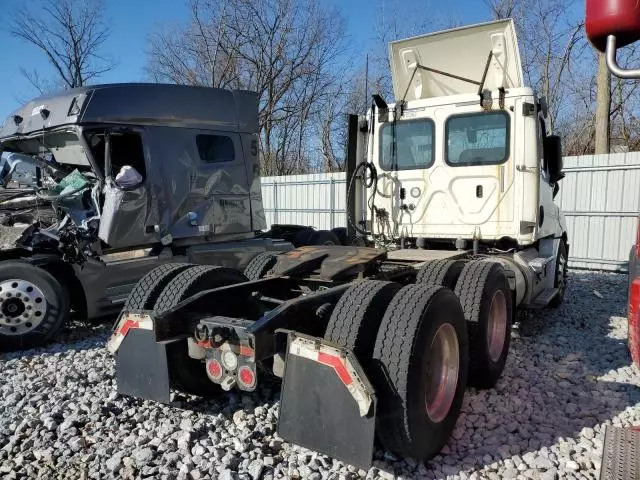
450 196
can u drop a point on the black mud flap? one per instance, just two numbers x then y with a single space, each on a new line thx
327 403
141 366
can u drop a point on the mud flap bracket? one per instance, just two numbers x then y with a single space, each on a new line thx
327 403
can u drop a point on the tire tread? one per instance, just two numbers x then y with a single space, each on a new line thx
470 291
356 317
144 295
397 332
259 265
177 288
440 272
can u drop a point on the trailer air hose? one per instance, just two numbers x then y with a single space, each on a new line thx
371 181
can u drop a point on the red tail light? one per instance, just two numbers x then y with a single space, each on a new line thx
214 369
246 377
634 321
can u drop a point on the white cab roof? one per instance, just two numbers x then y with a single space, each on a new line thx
462 52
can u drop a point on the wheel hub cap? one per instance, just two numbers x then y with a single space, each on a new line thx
442 372
497 328
22 307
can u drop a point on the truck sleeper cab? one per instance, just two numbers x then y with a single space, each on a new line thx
197 197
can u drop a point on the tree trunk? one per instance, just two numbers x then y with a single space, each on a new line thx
603 106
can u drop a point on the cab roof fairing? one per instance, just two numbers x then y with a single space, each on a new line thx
138 104
461 53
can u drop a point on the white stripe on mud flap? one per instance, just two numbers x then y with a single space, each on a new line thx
334 358
127 322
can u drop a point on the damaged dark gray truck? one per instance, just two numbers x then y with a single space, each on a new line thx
76 237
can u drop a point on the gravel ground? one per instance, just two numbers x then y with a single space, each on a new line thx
568 375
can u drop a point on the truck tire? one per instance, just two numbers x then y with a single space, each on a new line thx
148 289
323 237
486 300
34 306
561 276
441 272
356 317
420 357
185 373
260 265
194 280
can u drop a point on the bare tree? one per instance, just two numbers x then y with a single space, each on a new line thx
71 34
286 50
503 8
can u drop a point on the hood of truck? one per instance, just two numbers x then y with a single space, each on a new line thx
462 52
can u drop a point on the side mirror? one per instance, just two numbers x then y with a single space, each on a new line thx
553 158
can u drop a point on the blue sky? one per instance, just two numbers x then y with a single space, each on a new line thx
132 20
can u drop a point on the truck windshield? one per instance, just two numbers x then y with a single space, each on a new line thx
477 139
409 147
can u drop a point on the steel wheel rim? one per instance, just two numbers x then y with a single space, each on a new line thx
442 372
497 328
23 307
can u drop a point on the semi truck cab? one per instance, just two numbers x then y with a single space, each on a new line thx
465 153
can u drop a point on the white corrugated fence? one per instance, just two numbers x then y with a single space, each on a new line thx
600 197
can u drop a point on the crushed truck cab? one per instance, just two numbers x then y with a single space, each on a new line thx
124 178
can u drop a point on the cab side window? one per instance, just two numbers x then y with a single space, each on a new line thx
215 148
126 149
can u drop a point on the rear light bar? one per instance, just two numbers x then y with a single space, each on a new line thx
230 365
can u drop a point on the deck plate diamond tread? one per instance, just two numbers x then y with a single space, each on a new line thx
621 455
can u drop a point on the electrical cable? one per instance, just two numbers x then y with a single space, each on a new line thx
369 182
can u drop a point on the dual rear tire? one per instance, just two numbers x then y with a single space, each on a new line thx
165 287
415 352
423 349
485 296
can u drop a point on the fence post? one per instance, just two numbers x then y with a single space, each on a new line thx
332 200
275 201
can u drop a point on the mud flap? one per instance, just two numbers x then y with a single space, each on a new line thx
327 403
141 366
